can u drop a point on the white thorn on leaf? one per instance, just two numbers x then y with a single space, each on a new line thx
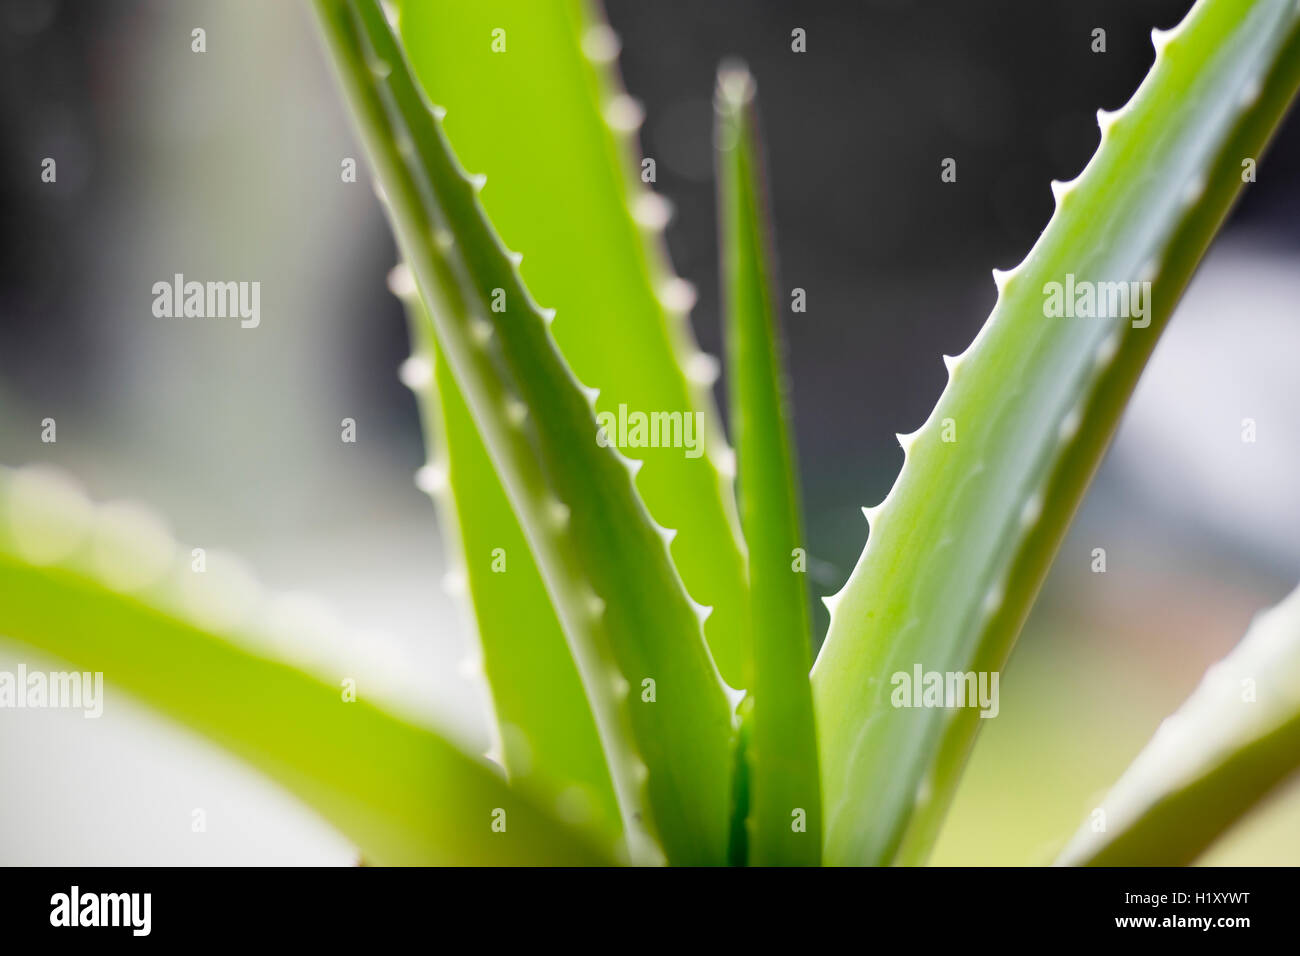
516 258
600 43
652 210
431 479
1160 39
1033 508
548 315
993 600
1001 278
400 281
130 546
702 611
703 369
624 114
478 181
634 465
516 412
1070 424
416 372
677 295
734 695
595 605
559 514
439 112
725 458
480 330
443 239
1106 119
736 85
1106 351
951 363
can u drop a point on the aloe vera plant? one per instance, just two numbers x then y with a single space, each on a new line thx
649 647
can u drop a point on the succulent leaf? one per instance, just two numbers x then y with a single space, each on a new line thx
1231 742
781 751
591 232
106 592
546 734
959 548
660 706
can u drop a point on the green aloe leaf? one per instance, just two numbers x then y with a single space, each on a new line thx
104 589
660 706
960 546
785 795
546 733
573 202
1234 739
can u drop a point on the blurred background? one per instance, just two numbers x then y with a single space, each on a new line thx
227 165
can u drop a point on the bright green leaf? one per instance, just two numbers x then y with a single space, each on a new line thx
959 548
781 752
546 120
660 706
546 731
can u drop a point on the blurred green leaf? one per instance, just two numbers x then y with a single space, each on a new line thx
1234 739
400 792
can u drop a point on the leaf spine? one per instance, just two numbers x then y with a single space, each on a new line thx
600 44
416 373
624 114
677 295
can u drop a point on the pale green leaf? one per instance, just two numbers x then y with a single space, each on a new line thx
1230 743
104 589
959 548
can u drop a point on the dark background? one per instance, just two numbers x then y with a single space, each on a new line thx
896 263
